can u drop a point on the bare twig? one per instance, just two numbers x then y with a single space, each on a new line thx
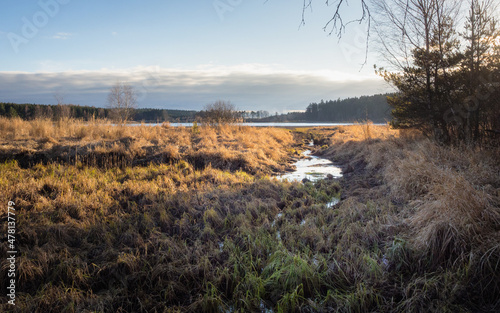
337 24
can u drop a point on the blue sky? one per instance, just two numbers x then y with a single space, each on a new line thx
180 54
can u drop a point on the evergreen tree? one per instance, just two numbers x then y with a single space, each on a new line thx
12 112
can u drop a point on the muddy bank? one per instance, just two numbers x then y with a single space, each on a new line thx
358 181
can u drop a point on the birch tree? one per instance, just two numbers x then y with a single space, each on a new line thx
122 101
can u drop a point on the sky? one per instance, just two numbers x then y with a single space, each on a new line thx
182 54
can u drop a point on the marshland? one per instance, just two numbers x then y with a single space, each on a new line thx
194 219
201 212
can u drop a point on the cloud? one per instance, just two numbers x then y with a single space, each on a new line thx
250 87
62 36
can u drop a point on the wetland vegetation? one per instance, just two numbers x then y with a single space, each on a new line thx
164 219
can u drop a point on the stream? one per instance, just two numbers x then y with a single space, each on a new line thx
312 168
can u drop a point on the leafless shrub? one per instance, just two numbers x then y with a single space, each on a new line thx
220 112
122 100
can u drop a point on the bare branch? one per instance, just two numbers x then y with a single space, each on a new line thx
337 24
122 99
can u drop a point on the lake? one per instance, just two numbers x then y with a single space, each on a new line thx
283 124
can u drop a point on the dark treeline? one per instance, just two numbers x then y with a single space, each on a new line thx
29 111
160 115
374 108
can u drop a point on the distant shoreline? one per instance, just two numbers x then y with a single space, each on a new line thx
261 124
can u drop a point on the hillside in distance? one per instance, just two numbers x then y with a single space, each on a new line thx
374 108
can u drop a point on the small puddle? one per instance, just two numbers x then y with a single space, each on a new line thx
278 216
312 168
332 203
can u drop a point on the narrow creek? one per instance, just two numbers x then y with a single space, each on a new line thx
312 168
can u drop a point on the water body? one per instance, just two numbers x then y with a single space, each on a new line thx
312 168
293 125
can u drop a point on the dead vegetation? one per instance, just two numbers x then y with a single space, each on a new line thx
202 229
105 145
446 211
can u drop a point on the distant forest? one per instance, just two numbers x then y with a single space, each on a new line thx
32 111
374 108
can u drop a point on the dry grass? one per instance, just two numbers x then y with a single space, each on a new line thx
120 238
99 143
363 131
454 194
456 185
448 208
189 223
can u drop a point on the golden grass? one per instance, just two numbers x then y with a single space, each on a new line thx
451 191
102 144
450 194
190 222
363 131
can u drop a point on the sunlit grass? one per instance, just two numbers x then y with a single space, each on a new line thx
202 227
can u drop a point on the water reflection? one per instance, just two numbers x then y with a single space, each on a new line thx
312 168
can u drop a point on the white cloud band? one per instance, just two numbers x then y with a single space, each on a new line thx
250 87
